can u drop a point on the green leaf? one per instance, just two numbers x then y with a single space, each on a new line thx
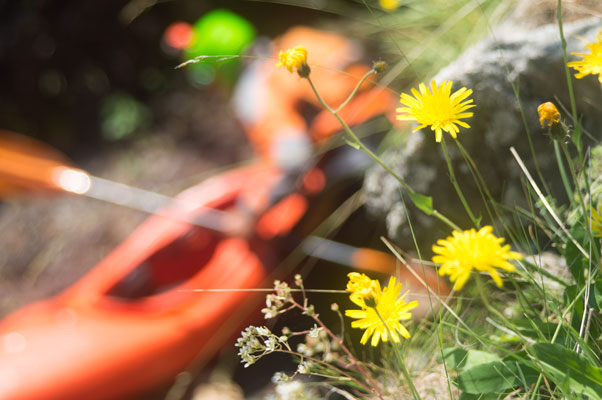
569 370
495 377
424 203
460 359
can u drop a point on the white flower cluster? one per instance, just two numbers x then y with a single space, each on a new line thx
304 367
277 301
256 342
288 389
317 342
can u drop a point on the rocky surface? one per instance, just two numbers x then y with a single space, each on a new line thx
532 61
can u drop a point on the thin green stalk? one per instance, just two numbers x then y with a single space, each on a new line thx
354 91
565 179
480 182
569 161
490 308
356 141
452 177
399 356
567 72
444 219
440 310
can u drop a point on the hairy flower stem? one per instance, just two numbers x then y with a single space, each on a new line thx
491 309
354 361
402 363
354 91
567 72
563 175
357 143
452 177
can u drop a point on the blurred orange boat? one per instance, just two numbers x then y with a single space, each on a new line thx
131 323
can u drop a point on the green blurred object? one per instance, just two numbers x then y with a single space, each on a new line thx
122 115
219 32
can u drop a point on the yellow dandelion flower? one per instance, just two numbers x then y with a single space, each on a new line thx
591 63
464 251
389 5
596 222
295 57
437 107
391 307
548 113
361 287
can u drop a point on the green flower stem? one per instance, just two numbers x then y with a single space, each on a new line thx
490 308
355 89
565 179
355 141
569 161
399 356
447 221
452 177
481 289
567 72
480 181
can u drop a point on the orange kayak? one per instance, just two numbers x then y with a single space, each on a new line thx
130 325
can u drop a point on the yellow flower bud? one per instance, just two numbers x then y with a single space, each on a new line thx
295 57
548 112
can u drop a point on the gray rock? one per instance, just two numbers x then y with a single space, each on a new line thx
531 60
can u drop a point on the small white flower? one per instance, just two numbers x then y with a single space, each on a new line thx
289 390
248 360
269 313
305 350
303 368
314 332
263 331
270 344
280 377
